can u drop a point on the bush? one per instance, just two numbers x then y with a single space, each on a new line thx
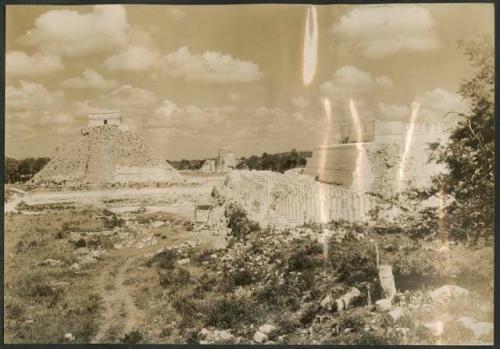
353 260
230 312
132 337
164 260
305 255
239 223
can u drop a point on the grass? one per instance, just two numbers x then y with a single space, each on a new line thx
43 303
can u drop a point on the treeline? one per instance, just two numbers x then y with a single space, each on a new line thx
22 170
279 162
188 165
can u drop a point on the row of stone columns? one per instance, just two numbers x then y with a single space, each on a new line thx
301 199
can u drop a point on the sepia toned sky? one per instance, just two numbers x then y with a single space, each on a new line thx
257 78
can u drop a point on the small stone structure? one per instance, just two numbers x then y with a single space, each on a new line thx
225 161
208 166
107 118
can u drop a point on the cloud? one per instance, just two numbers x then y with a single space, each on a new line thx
128 99
349 81
434 105
209 67
132 58
380 31
300 102
32 96
71 33
89 79
18 63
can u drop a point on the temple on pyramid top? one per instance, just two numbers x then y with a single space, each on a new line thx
107 118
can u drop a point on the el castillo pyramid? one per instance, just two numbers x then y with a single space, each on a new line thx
106 152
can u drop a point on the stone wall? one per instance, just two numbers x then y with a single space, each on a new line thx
278 199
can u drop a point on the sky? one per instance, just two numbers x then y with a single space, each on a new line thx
256 78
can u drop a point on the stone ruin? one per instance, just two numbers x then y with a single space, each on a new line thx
288 200
224 163
390 156
339 179
106 153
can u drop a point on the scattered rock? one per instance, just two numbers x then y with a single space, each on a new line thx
479 328
394 316
69 337
436 327
383 305
183 261
81 251
327 303
347 299
445 293
215 336
267 329
74 267
259 337
51 263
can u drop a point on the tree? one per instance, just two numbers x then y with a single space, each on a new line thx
469 156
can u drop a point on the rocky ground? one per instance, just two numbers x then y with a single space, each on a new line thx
139 269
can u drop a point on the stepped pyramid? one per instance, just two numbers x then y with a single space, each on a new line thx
106 154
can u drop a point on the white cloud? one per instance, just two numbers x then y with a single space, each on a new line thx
380 31
393 111
434 105
19 63
211 67
89 79
128 99
349 81
68 32
300 102
132 58
32 96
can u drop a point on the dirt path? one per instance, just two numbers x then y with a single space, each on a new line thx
120 315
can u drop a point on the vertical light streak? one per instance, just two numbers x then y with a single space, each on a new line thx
322 160
310 50
415 107
359 139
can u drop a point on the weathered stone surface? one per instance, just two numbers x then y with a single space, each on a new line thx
51 263
103 155
383 305
267 329
183 261
259 337
445 293
435 327
478 328
327 303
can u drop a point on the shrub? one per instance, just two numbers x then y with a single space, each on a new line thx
305 255
239 223
353 260
132 337
229 312
164 260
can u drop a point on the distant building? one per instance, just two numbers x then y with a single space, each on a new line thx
107 118
225 161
